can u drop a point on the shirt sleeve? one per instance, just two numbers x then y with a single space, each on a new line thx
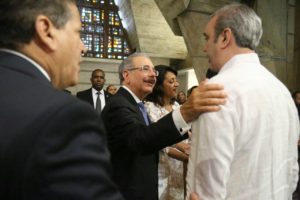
179 122
211 154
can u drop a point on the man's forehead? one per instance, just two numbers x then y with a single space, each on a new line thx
210 25
211 22
98 73
141 60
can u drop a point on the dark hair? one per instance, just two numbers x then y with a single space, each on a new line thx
17 19
294 94
97 70
158 92
189 92
210 73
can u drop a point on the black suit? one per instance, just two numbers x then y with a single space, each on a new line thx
86 95
52 146
134 146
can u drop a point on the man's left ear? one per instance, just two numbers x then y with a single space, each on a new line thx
226 37
45 32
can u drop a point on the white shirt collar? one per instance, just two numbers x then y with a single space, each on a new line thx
132 94
250 57
41 69
94 91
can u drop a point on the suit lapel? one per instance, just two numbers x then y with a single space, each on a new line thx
133 104
90 97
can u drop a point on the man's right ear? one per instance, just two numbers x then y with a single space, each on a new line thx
226 37
45 33
125 76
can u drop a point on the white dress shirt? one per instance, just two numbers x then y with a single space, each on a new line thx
248 149
95 96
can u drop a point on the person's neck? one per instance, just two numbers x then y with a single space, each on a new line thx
167 103
230 53
98 89
236 51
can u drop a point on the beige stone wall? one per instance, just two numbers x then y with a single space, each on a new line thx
295 73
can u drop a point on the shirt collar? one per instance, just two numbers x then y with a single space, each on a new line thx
94 91
132 94
245 57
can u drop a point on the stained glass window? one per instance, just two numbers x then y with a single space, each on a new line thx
102 30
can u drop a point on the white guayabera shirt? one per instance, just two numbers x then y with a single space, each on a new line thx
248 149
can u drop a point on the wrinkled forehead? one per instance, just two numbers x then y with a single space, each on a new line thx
141 60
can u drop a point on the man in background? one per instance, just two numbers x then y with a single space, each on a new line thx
181 97
52 146
248 149
96 96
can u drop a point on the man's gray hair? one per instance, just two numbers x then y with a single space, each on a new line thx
127 63
243 22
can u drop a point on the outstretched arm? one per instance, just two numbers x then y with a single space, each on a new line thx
207 97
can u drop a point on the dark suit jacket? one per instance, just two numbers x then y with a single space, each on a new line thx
134 146
52 146
86 95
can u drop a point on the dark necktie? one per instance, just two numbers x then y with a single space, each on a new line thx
144 112
98 103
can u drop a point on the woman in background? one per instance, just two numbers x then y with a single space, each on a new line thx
170 168
111 89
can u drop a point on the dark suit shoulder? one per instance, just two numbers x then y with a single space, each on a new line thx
72 141
84 92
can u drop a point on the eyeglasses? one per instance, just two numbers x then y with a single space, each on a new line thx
144 68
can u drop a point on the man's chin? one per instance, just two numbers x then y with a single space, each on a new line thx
148 90
71 83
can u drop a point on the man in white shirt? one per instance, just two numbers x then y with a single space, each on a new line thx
248 149
92 94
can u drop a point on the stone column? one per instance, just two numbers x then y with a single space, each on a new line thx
297 47
192 16
273 45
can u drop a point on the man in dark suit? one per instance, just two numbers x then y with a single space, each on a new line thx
52 146
91 95
133 143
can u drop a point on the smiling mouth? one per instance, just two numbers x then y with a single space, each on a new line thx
152 82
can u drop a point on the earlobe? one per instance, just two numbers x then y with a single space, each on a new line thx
45 32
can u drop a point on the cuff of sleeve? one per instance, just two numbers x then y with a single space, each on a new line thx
179 122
